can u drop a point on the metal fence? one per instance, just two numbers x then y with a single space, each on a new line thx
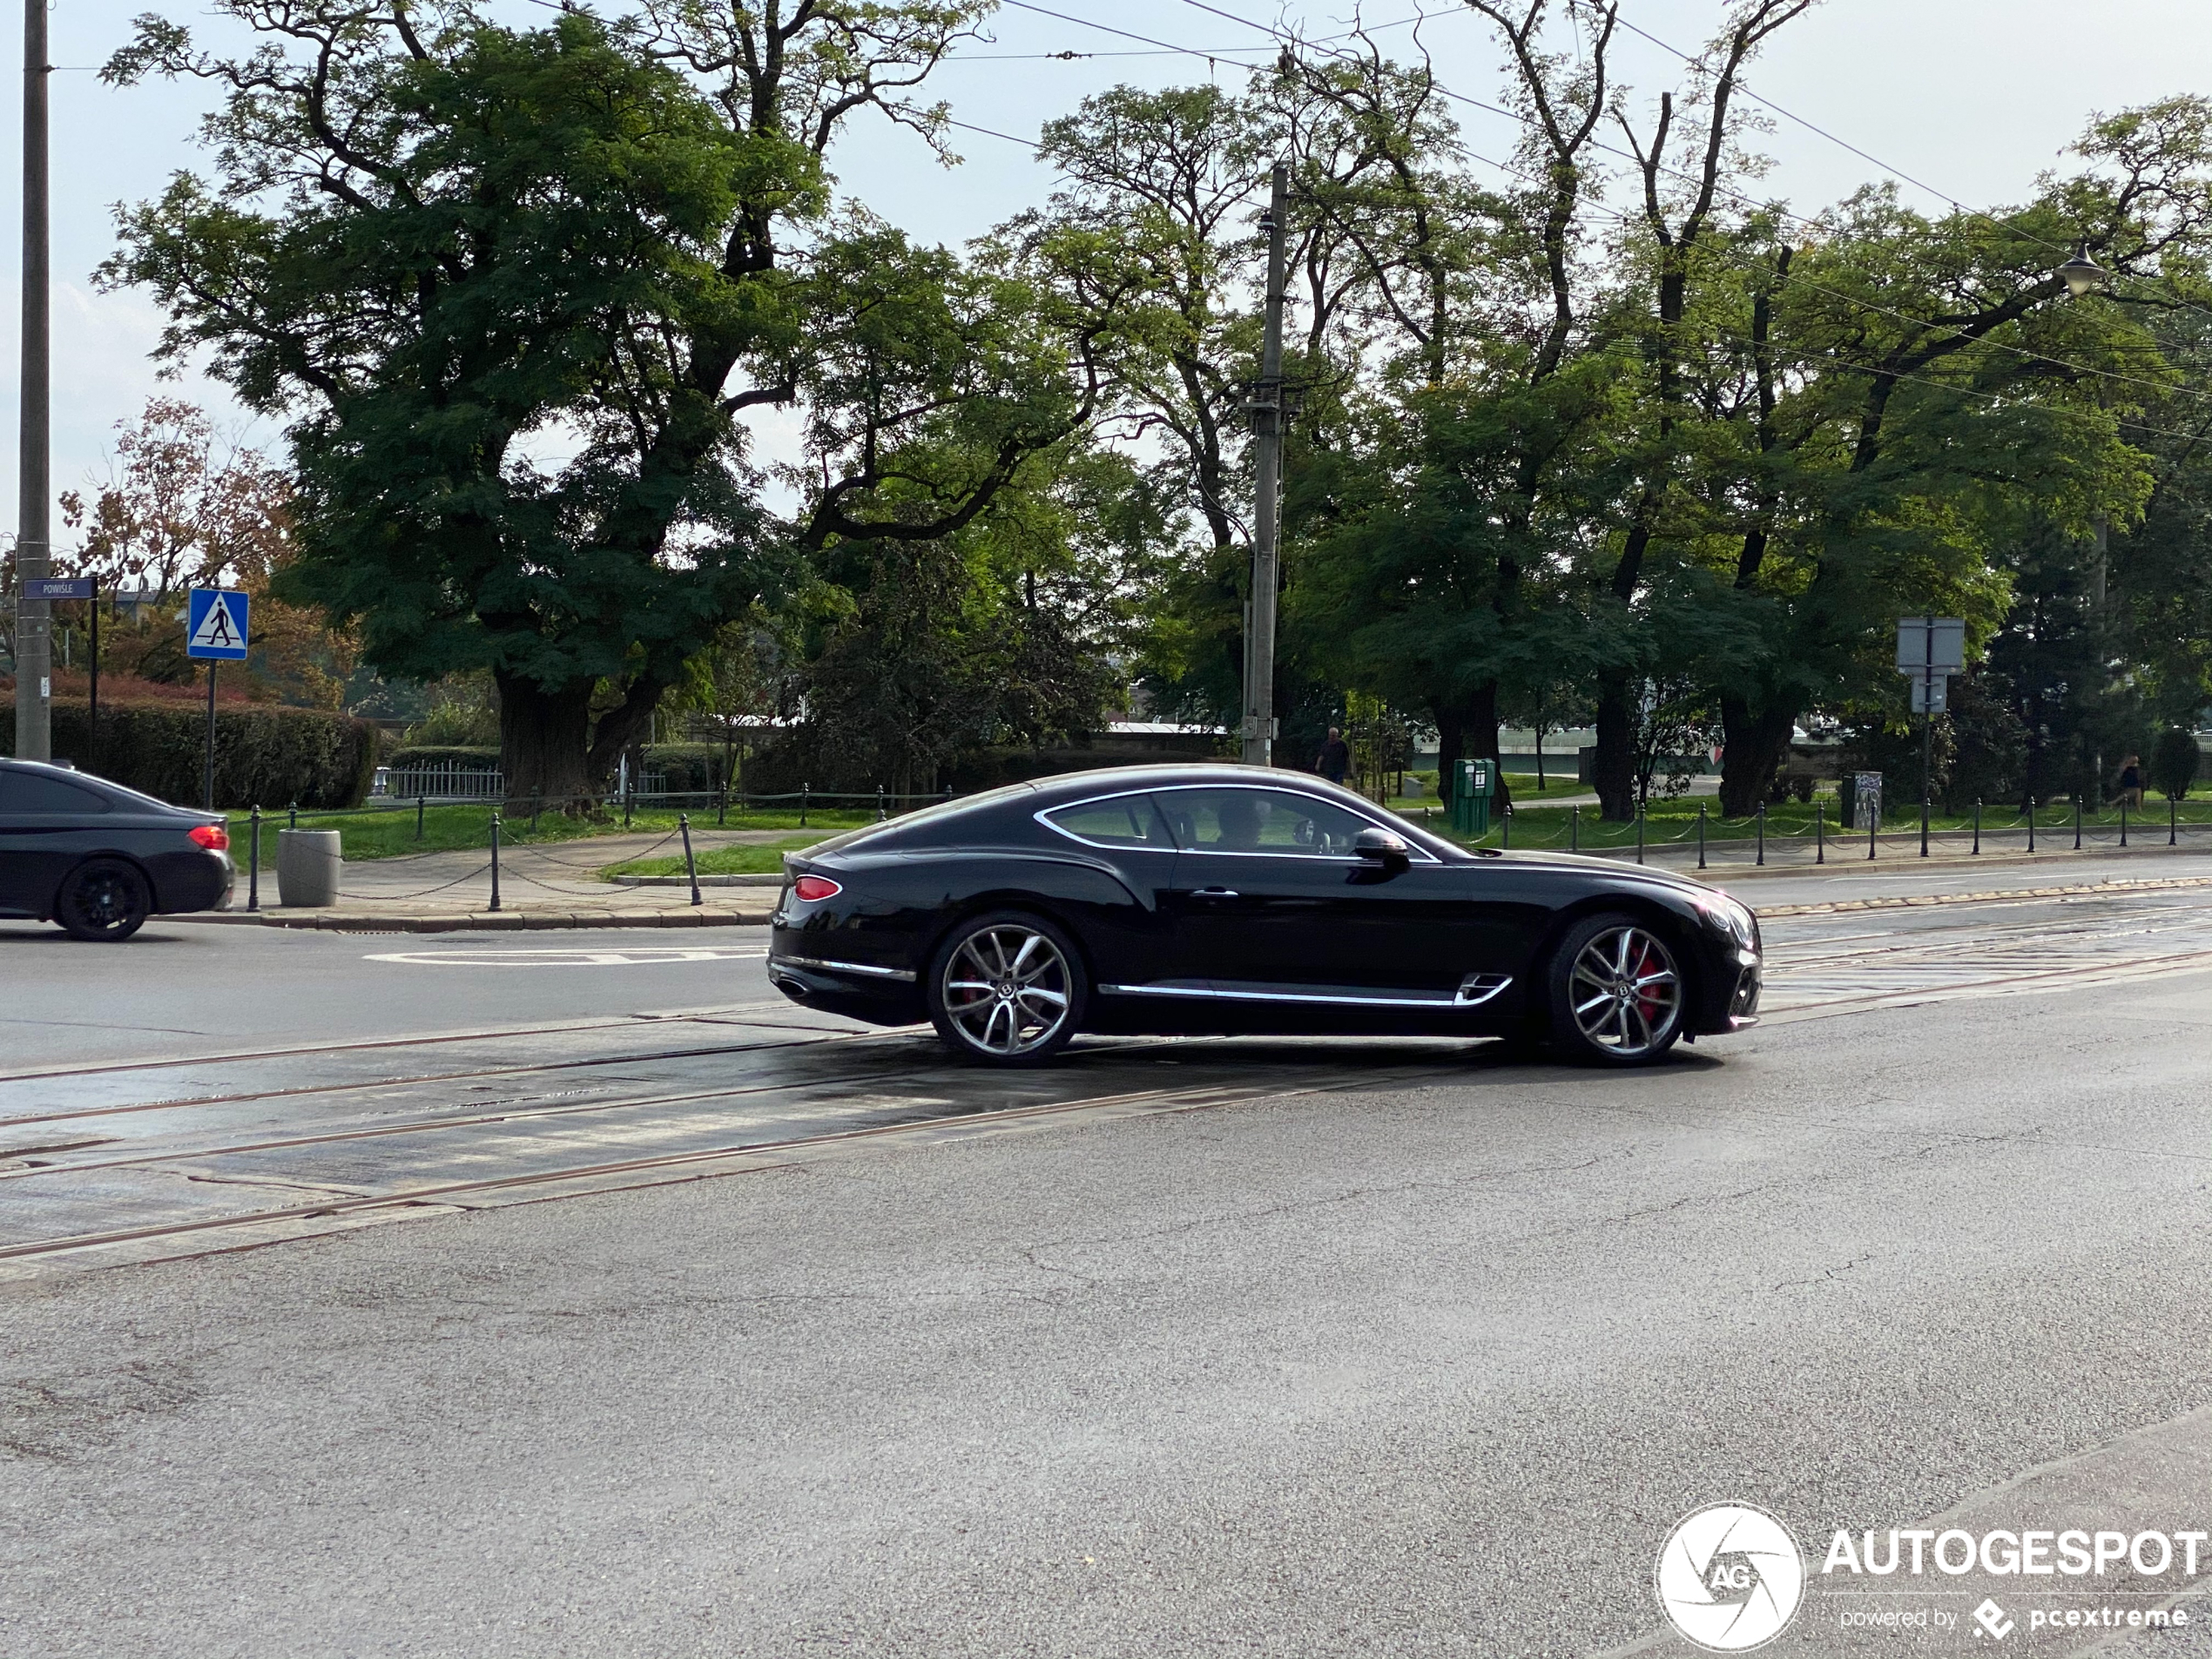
444 781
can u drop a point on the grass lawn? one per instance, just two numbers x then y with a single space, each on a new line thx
386 832
1675 822
765 859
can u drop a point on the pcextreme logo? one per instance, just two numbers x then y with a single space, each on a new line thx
1730 1577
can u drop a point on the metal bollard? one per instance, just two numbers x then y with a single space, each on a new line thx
294 822
2173 822
1701 834
1873 828
1762 833
804 791
880 814
690 866
421 801
1977 826
1505 829
1573 829
721 806
495 858
1639 832
2031 823
253 866
1820 832
2123 821
2077 823
537 806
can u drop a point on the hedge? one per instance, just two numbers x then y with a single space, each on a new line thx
266 754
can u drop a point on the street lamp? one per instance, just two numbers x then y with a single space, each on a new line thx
2080 274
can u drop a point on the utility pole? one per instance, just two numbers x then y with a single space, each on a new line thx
34 618
1267 411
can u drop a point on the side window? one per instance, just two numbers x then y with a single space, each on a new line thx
1260 820
34 793
1119 820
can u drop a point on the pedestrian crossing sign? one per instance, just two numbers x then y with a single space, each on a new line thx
215 624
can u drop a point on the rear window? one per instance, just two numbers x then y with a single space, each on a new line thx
1119 820
35 793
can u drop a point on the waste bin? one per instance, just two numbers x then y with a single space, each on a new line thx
308 865
1471 793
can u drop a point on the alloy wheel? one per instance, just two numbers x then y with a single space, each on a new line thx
1007 990
103 901
1627 994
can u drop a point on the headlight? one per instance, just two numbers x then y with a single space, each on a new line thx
1734 918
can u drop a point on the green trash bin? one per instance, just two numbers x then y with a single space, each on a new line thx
1472 791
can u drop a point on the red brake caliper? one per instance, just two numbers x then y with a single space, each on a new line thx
1646 1000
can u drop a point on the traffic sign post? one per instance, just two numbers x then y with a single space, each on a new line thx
1930 650
53 588
216 623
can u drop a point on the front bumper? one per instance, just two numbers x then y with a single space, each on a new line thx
1744 1001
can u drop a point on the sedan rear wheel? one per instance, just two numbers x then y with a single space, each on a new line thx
1007 990
104 900
1617 992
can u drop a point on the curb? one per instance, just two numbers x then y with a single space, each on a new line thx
1909 863
360 921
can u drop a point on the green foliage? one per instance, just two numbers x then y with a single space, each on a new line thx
2174 758
279 756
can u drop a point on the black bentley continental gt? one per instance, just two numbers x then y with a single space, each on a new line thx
1182 898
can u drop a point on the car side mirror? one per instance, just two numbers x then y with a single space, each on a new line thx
1381 846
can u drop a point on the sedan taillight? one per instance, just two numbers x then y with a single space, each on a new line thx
815 888
214 837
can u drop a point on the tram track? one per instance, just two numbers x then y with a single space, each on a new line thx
402 1135
606 1176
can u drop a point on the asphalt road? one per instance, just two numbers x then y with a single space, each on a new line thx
1208 1347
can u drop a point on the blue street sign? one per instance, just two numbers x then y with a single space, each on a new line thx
215 624
58 587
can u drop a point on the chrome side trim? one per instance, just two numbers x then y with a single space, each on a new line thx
1460 1000
1478 988
842 967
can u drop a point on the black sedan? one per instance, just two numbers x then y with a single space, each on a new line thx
100 858
1228 899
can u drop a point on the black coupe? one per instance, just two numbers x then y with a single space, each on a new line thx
100 858
1228 899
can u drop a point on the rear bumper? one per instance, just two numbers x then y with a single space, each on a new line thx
200 879
879 995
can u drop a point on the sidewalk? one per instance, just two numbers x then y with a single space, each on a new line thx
552 886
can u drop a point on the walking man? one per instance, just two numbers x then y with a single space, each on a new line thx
1335 759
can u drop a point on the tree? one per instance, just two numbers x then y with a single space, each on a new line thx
517 292
2174 758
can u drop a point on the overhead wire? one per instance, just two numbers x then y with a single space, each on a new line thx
1289 39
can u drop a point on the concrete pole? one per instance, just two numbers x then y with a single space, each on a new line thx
1258 731
34 624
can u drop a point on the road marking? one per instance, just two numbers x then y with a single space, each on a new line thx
631 956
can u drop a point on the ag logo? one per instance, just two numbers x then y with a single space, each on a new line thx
1730 1577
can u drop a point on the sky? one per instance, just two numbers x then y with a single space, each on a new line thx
1972 97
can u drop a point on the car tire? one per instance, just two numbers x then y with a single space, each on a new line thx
1618 992
1007 990
105 901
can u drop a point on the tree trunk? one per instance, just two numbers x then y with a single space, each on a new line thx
1755 742
1482 741
1614 766
543 739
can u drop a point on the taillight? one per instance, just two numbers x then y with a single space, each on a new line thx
214 837
815 888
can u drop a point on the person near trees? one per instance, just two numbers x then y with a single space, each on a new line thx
2131 781
1335 759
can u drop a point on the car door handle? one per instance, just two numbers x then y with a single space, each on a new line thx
1215 892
